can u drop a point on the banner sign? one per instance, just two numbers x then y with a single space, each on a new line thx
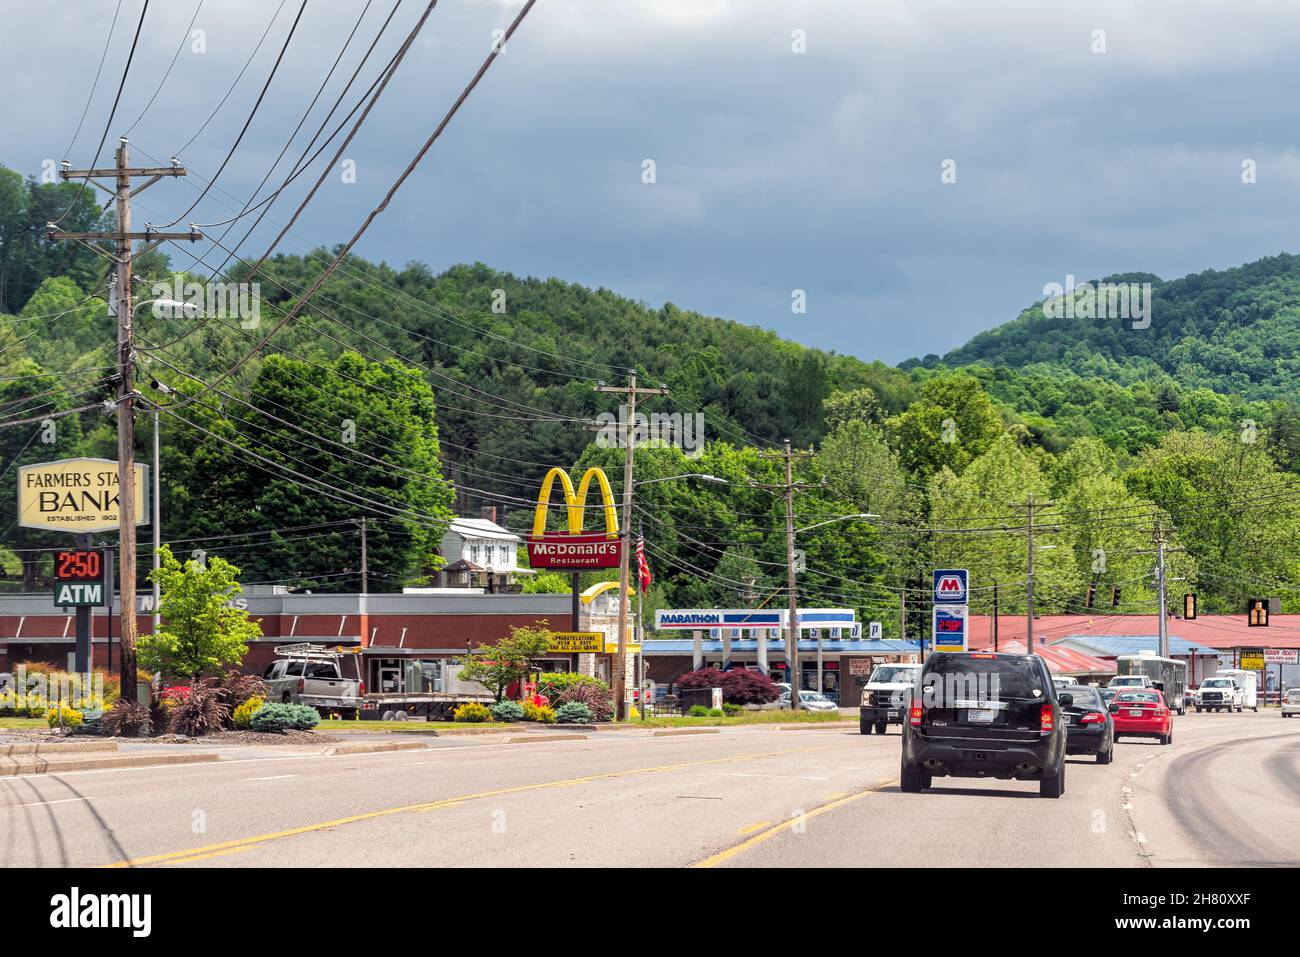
574 549
745 619
577 642
1252 660
1281 656
76 495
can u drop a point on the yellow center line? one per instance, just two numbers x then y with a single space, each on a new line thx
174 856
754 827
771 832
204 857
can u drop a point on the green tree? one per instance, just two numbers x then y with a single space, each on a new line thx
203 628
950 424
498 666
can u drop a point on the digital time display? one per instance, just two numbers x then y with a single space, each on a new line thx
79 565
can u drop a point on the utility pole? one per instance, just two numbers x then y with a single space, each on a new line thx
365 566
995 616
1029 579
1161 549
631 390
1030 528
124 251
789 487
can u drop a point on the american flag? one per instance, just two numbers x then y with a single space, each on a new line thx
642 566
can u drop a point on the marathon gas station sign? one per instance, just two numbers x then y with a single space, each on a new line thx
76 495
743 619
575 549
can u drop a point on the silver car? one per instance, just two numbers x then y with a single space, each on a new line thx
811 701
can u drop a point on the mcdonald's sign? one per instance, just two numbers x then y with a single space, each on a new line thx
575 549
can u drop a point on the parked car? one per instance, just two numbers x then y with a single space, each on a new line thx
1142 714
1291 703
309 675
811 701
981 714
1088 723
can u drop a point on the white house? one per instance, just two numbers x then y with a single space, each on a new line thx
479 553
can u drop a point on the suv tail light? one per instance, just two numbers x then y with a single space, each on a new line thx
914 715
1046 722
1093 717
361 689
301 685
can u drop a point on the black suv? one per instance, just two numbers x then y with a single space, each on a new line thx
976 714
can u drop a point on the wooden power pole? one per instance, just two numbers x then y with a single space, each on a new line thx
123 239
631 390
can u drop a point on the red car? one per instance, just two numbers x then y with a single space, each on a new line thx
1142 713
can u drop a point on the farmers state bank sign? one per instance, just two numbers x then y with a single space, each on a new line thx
76 495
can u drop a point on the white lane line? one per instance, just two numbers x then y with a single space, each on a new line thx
274 777
43 803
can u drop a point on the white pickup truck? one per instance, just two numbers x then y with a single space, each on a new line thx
310 675
1219 694
886 697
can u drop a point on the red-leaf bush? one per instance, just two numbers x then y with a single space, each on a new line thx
127 719
704 678
598 699
742 686
201 712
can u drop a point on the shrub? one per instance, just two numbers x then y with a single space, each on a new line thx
731 710
574 712
236 689
554 684
199 712
68 717
128 719
598 699
507 711
742 686
278 718
699 711
472 712
703 678
243 714
539 713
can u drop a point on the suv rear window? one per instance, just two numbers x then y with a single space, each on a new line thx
959 677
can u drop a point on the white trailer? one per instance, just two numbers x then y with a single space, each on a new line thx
1247 681
1166 674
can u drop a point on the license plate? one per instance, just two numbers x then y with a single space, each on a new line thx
893 714
1135 714
980 715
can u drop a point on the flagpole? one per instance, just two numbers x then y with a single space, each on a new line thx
640 617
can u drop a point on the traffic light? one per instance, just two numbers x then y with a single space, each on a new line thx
1189 606
1092 595
1114 596
1257 613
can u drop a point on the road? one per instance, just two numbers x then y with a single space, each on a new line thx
1226 793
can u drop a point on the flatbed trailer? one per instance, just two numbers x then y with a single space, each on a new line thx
429 705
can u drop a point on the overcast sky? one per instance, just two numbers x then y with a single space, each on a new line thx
775 170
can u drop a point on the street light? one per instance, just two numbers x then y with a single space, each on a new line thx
841 518
668 478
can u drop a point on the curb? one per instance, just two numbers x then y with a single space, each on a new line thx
530 738
40 766
673 732
377 747
818 726
56 747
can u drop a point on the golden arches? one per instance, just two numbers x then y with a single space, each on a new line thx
575 502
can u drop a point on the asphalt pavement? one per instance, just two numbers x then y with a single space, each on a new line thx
1225 793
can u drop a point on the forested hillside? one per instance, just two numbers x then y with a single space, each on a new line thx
406 396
